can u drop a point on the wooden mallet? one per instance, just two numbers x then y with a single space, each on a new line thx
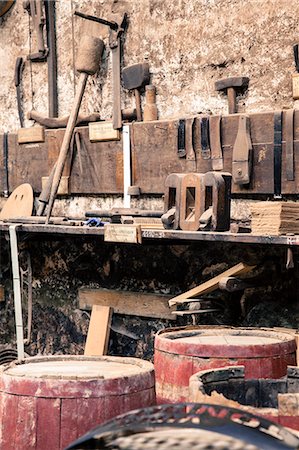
88 62
134 78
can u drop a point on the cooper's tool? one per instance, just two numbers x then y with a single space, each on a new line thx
129 114
117 29
289 140
190 153
219 200
277 143
150 108
52 57
5 165
295 76
205 140
116 213
172 198
35 9
231 86
19 203
18 76
192 203
181 138
88 61
61 122
242 153
215 143
135 77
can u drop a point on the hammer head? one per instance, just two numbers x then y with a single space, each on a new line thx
136 76
232 82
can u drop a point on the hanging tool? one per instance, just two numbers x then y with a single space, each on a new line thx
181 138
205 138
88 61
277 143
135 77
18 77
231 86
215 143
61 122
295 76
117 29
190 153
5 165
242 153
35 10
52 57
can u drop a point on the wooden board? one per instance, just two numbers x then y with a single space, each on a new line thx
19 203
210 285
127 302
154 156
297 351
32 134
98 332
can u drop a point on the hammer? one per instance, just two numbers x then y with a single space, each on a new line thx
231 85
135 77
88 61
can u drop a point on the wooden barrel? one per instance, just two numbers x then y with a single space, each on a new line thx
181 352
47 402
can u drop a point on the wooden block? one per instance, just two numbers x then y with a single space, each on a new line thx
127 302
275 218
98 332
122 233
33 134
211 285
63 188
102 131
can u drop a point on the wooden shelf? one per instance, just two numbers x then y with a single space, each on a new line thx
155 234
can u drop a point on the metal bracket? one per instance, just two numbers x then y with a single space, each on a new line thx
242 153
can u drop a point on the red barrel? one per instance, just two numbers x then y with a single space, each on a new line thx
48 402
181 352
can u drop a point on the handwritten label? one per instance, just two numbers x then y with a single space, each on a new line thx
103 131
122 233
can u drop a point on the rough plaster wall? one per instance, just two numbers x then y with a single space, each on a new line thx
189 45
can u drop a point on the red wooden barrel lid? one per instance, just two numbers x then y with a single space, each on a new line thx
76 376
225 342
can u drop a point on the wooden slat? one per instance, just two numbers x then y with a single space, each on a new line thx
211 285
297 351
98 332
127 302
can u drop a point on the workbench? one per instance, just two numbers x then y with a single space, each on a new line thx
149 234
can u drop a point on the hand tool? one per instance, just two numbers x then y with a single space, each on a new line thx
117 29
50 10
61 122
231 86
5 165
242 153
192 203
181 138
289 140
35 9
215 143
116 213
220 201
18 76
205 139
150 108
135 77
295 76
172 198
129 114
277 142
190 153
19 203
88 61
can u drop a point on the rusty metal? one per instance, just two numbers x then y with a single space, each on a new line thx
225 421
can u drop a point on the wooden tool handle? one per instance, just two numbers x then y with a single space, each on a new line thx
117 118
232 101
138 105
66 142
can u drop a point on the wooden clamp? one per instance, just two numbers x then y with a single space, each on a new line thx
218 199
173 187
192 204
215 143
190 153
242 153
289 140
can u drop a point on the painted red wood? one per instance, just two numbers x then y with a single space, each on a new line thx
181 352
48 402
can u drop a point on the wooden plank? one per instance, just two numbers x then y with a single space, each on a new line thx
127 302
33 134
211 285
98 331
